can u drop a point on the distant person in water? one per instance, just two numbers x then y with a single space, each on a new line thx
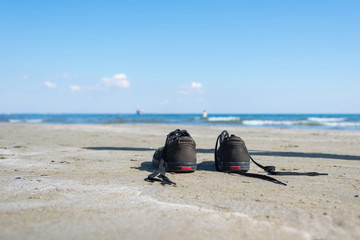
204 114
140 111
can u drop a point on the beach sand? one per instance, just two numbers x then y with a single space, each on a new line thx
87 182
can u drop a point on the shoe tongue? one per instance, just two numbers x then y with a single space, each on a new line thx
176 134
234 137
181 133
184 133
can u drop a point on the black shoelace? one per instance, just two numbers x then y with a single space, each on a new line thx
271 170
255 175
159 174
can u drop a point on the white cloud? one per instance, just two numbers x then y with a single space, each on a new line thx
118 80
75 88
25 76
50 84
196 85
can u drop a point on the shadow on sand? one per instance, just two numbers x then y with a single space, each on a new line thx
209 166
119 149
145 166
206 166
203 166
199 150
252 152
304 155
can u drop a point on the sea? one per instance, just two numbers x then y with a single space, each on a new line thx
296 121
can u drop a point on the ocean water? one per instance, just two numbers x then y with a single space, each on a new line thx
299 121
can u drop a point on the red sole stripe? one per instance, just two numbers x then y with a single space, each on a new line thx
185 168
235 168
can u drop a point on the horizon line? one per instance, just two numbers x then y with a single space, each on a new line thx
148 113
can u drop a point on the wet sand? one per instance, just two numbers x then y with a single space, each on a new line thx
87 182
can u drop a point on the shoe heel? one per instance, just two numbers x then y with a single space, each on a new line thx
235 166
181 166
176 166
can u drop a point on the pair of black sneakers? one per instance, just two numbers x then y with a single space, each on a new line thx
231 156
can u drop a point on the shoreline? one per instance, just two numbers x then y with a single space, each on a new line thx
87 181
291 121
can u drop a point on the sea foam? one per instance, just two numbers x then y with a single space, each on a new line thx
34 120
223 119
14 120
317 119
268 122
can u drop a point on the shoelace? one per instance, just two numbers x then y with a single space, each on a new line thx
159 174
174 135
255 175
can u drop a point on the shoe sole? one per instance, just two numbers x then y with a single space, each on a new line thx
176 166
235 166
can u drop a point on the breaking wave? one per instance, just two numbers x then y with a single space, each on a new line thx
303 121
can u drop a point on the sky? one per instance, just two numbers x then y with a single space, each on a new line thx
184 56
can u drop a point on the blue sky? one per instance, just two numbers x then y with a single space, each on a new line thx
180 56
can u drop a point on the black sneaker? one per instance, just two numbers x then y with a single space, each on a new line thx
179 152
177 155
232 156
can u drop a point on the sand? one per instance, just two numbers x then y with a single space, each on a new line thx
87 182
